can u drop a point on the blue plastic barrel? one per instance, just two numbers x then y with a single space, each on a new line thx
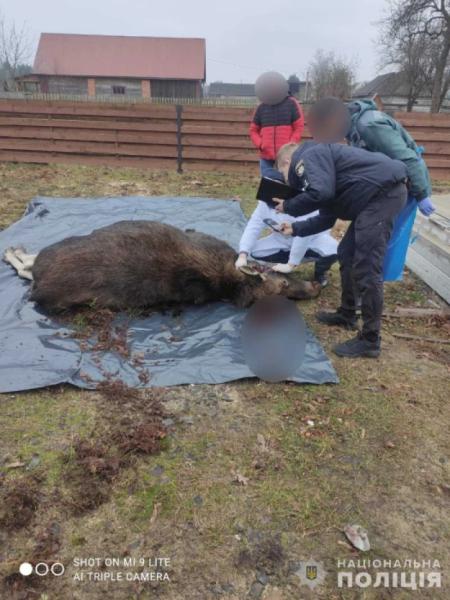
394 260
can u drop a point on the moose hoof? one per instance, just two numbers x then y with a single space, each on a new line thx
8 255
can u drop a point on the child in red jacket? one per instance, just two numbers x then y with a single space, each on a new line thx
278 120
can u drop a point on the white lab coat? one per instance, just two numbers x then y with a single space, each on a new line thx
253 245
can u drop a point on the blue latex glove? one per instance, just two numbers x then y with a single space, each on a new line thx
426 207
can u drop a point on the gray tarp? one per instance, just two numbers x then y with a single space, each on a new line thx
201 345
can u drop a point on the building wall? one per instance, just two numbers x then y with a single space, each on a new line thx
146 88
104 86
64 85
175 88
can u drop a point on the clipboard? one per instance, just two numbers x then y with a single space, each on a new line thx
272 188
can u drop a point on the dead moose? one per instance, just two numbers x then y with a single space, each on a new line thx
136 264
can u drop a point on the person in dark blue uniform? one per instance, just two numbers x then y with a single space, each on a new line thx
368 189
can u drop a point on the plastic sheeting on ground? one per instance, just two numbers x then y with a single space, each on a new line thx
200 345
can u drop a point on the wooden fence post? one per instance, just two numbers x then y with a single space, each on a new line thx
179 109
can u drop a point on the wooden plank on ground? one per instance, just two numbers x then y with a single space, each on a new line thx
416 313
431 262
419 338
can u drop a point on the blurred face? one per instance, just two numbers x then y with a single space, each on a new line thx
271 87
273 338
331 128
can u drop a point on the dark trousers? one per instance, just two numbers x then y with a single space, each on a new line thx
361 256
322 263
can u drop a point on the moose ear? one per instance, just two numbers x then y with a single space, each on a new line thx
249 270
254 272
256 269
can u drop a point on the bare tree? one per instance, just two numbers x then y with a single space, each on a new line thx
15 49
412 55
331 76
417 34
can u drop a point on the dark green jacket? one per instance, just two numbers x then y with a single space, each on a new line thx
378 132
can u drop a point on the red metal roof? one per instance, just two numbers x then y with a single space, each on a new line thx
120 56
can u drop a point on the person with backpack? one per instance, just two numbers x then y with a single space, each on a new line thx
363 125
277 120
368 189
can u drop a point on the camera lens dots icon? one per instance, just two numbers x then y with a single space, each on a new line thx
42 569
26 569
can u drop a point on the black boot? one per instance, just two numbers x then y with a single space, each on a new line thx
358 347
338 318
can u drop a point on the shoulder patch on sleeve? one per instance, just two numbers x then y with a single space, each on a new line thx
300 168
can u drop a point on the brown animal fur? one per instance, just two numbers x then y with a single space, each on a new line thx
133 264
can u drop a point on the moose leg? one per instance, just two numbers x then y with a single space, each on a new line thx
11 258
26 259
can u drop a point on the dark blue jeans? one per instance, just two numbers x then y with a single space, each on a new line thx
264 165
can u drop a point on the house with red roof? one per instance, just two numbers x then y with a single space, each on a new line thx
106 65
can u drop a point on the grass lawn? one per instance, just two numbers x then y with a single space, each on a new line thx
242 487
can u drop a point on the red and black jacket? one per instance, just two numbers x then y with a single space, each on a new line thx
274 125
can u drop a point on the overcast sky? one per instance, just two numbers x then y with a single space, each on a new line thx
243 37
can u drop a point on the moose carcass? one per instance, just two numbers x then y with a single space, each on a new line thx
133 264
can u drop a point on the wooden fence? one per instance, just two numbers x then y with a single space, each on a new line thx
182 137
